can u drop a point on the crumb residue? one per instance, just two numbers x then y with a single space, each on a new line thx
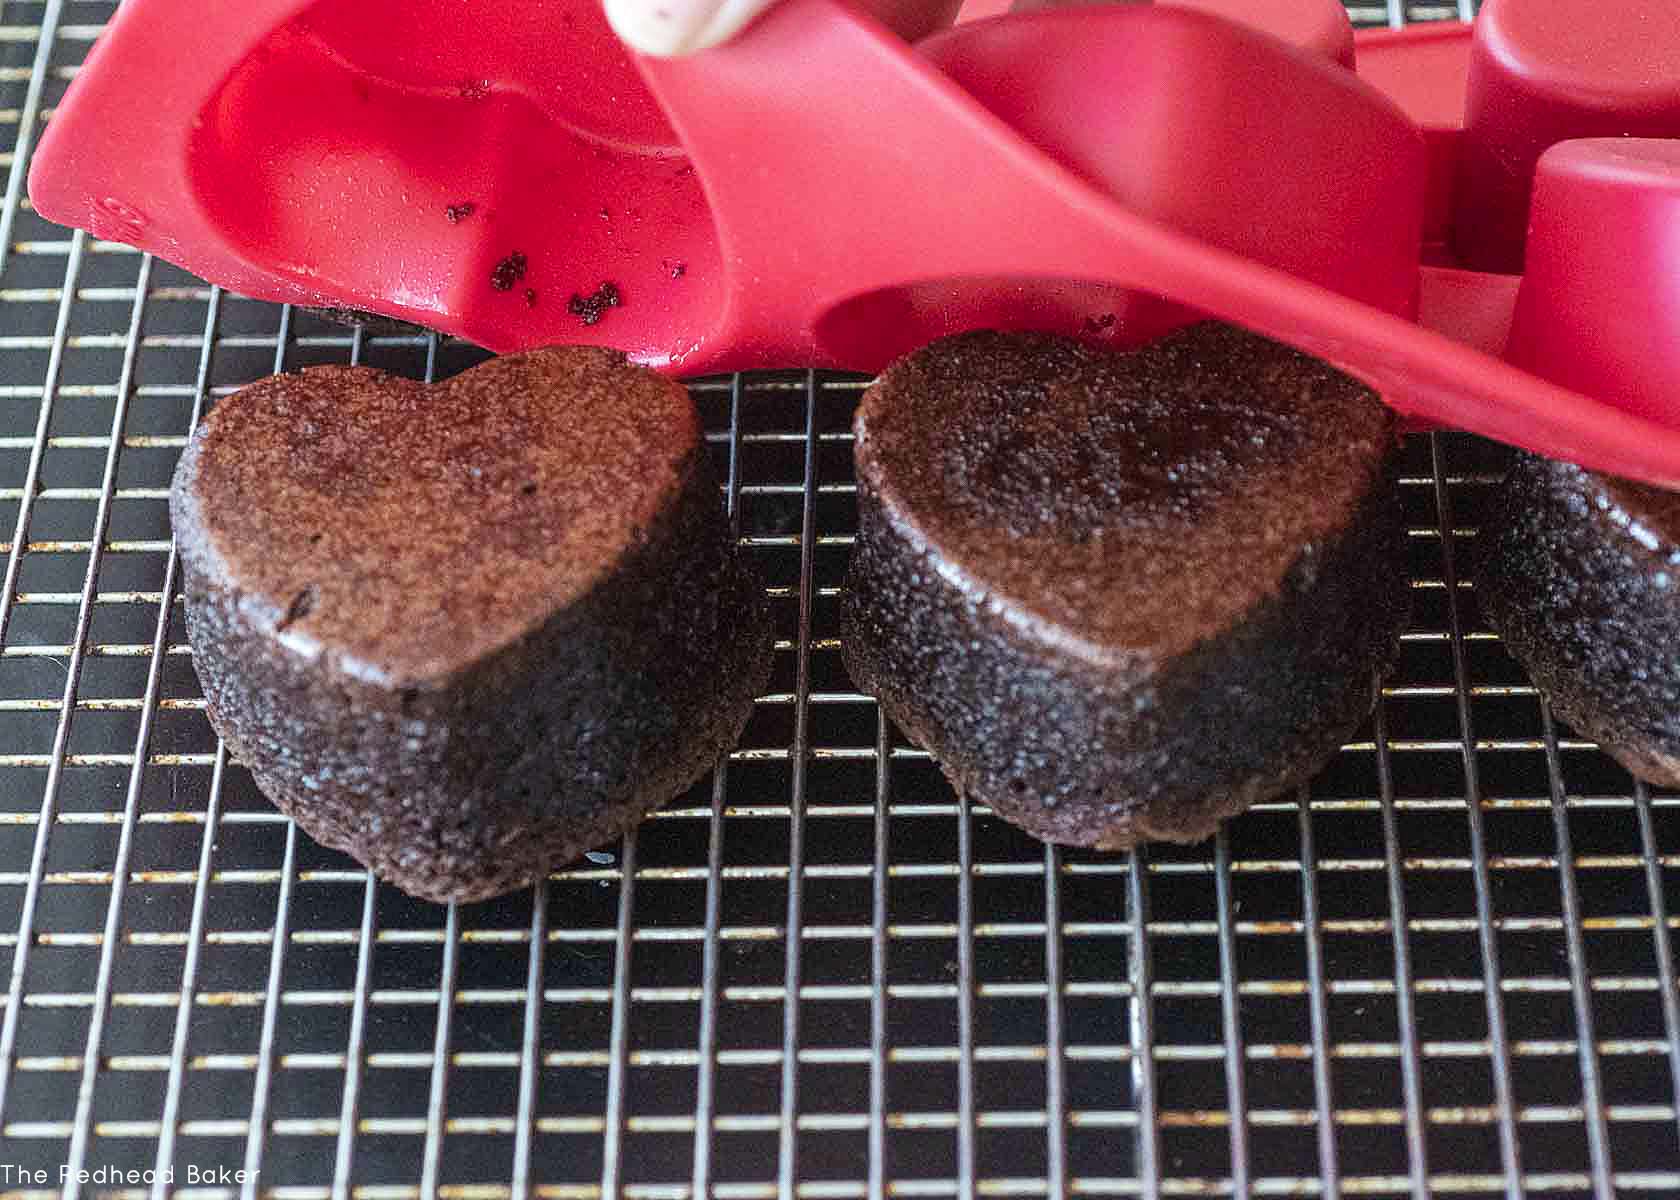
1100 324
508 272
590 309
460 212
302 604
677 268
530 297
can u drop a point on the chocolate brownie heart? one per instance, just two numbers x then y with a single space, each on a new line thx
1580 574
1122 596
467 631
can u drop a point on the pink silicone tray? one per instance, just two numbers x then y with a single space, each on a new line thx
821 193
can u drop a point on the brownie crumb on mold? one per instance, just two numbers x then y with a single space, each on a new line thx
508 271
456 213
591 308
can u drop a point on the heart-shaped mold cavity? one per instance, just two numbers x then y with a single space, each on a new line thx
482 171
1199 125
1238 150
881 325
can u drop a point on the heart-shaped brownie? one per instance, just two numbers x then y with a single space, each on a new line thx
1122 596
1580 574
470 630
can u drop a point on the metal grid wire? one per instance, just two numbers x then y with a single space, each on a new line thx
1445 968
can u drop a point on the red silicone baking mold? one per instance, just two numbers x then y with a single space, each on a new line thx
818 192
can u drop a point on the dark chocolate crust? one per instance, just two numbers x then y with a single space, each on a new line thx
1580 575
467 632
1120 597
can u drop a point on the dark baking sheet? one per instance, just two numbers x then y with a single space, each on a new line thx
203 987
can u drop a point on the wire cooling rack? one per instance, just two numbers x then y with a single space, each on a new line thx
1446 968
